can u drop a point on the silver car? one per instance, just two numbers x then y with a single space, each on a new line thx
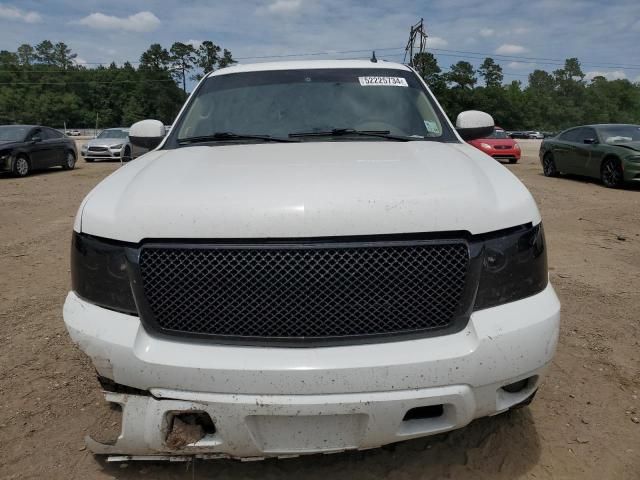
111 144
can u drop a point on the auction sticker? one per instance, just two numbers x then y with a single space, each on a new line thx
383 81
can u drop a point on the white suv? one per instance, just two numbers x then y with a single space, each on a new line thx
312 260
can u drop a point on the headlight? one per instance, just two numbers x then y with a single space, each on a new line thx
116 147
634 158
486 146
514 267
516 147
4 155
99 273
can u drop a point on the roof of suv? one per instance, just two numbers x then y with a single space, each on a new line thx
309 64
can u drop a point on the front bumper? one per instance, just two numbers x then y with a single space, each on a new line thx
6 163
504 154
290 401
631 171
103 155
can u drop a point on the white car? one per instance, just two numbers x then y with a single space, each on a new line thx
313 260
110 144
536 135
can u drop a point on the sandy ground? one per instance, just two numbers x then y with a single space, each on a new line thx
583 423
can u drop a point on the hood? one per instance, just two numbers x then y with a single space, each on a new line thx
106 142
494 141
7 144
635 146
306 190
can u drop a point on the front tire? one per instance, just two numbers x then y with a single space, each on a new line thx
549 166
70 161
21 166
611 173
126 155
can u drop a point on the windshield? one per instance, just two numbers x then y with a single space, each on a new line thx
281 103
13 133
498 134
620 133
114 133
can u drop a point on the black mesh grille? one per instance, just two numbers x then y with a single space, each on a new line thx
307 292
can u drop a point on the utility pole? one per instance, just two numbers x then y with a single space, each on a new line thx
418 33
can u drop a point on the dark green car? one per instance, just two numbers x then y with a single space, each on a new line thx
610 152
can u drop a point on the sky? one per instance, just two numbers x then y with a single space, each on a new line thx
520 35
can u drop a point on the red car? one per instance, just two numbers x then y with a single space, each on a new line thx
499 146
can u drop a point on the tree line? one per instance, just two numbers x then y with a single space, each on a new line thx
44 84
549 102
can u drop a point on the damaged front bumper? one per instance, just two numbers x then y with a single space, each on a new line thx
278 402
252 427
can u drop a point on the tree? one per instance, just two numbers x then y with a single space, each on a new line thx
207 58
427 67
44 52
491 72
183 58
572 71
8 58
226 59
155 58
542 81
461 75
26 54
62 56
123 94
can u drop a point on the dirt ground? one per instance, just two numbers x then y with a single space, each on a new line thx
583 423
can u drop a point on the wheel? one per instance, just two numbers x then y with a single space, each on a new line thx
611 173
21 166
126 155
69 162
549 166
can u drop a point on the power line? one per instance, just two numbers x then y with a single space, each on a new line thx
86 82
523 57
528 60
438 52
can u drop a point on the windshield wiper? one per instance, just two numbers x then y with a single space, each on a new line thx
338 132
230 136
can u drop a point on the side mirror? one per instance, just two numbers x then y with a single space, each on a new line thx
473 124
36 139
147 133
590 141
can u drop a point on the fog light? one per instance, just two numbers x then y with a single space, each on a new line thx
520 385
186 428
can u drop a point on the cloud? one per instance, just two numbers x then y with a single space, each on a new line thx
521 65
510 49
283 6
436 42
613 75
487 32
139 22
9 12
